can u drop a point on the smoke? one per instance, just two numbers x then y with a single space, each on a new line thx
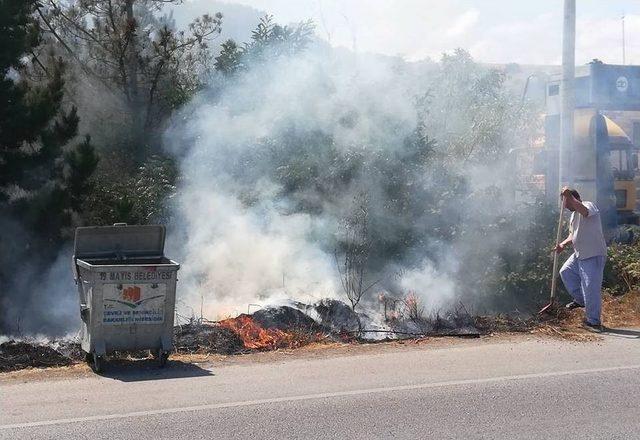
436 290
289 164
40 298
275 160
234 257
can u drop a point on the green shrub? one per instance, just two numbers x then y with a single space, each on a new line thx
622 271
138 197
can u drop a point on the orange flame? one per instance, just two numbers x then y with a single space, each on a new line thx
256 337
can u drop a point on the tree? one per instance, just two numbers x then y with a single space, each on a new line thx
488 120
133 69
356 249
136 55
42 178
268 41
135 199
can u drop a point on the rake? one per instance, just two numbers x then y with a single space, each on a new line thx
554 275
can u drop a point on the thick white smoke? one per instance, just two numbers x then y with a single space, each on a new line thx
234 256
243 243
275 159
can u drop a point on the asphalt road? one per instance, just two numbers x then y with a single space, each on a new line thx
519 389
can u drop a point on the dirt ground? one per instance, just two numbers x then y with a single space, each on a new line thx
618 312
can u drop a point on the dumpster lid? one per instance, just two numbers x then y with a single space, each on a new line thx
119 241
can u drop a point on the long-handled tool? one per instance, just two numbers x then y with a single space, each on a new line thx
554 275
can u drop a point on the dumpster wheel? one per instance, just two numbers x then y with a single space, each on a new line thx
95 362
162 357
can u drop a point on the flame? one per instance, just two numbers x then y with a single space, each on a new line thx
256 337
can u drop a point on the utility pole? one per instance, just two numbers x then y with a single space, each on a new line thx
624 54
567 93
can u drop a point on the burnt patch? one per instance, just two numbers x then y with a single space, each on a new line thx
206 338
285 318
337 316
18 355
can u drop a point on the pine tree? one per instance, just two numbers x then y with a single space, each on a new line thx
137 55
42 178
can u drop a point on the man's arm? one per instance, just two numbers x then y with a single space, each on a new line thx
567 241
571 202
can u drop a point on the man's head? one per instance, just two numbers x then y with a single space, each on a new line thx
575 195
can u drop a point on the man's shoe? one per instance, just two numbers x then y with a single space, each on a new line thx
596 328
573 305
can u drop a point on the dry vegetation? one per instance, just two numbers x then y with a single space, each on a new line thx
245 334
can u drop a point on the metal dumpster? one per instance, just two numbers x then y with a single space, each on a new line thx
127 290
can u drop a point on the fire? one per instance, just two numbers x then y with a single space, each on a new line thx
256 337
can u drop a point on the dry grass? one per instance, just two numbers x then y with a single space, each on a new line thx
197 345
617 312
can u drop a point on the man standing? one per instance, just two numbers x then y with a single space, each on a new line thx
582 272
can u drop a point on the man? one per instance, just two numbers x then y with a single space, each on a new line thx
582 272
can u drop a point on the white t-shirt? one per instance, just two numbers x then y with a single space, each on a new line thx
586 232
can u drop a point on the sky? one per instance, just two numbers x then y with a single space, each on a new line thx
494 31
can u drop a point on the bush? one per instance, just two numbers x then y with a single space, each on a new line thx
139 197
507 264
622 271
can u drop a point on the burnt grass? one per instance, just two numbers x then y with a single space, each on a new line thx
335 321
285 318
18 355
206 338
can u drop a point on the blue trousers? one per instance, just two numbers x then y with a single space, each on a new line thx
583 280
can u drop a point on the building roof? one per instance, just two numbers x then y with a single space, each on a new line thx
617 136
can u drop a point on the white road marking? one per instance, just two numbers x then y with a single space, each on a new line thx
314 397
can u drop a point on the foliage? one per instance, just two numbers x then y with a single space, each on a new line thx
514 270
423 200
134 69
135 55
140 198
488 119
622 271
42 178
269 41
45 173
81 164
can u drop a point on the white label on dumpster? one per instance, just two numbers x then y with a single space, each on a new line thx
133 303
